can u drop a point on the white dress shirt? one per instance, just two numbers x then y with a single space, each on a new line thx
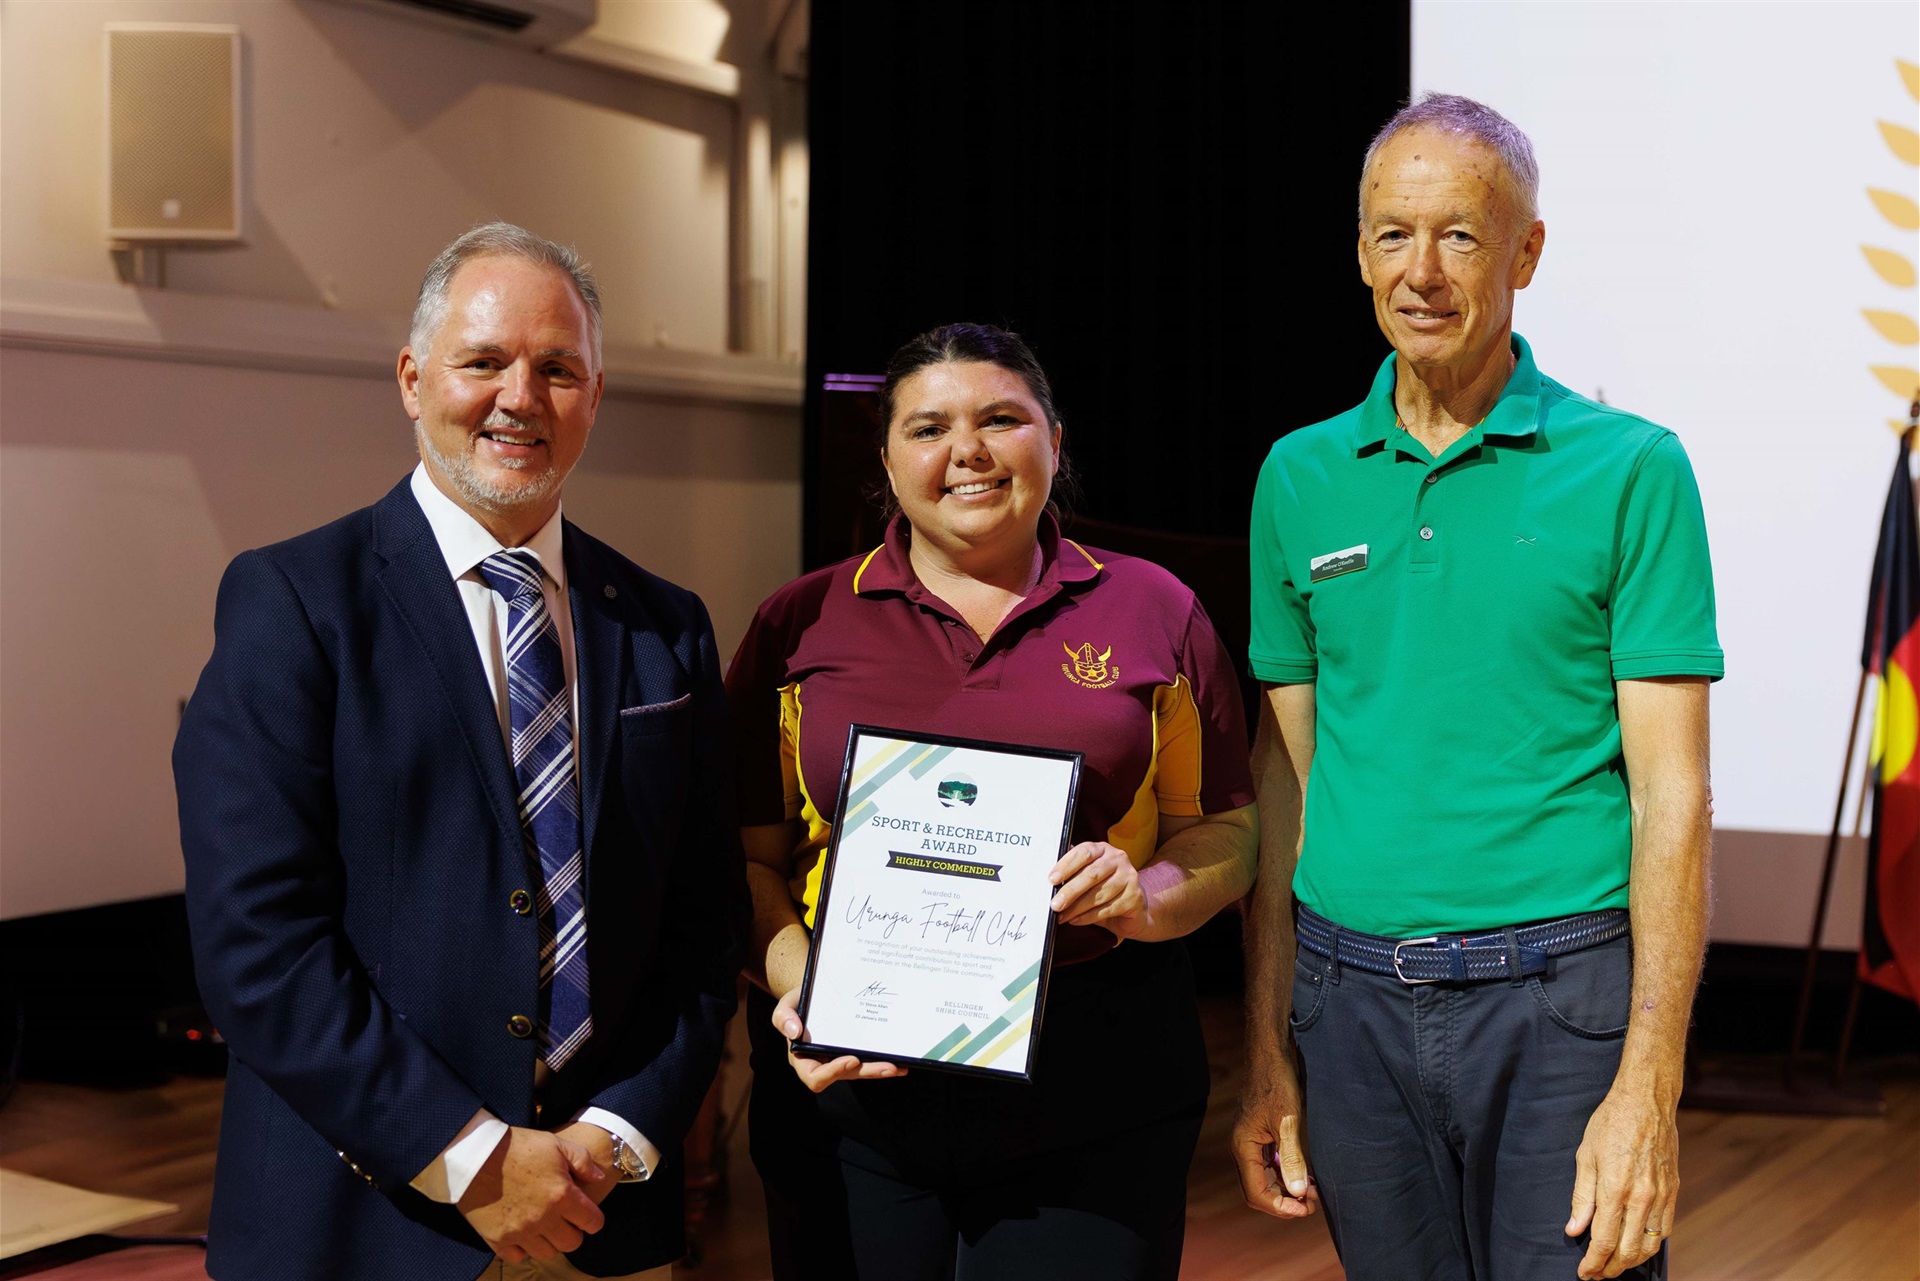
465 543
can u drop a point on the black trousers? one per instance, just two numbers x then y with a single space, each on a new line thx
1442 1119
1079 1174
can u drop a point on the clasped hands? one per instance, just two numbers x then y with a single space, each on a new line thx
1099 885
539 1194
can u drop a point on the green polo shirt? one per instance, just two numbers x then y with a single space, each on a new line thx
1463 621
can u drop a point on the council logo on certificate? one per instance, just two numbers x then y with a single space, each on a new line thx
933 935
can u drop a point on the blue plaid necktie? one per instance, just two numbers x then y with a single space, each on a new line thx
549 798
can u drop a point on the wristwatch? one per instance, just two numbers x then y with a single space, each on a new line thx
627 1162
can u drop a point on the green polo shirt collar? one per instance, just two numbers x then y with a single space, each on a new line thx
1515 416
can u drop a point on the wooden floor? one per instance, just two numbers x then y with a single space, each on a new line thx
1766 1198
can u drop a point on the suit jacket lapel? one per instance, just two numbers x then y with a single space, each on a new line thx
599 643
416 581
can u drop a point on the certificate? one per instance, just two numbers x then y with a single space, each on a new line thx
933 933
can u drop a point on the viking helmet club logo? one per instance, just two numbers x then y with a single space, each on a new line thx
1089 669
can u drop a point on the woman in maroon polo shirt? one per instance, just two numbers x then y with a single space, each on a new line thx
956 625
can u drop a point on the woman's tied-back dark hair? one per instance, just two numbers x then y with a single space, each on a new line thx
988 345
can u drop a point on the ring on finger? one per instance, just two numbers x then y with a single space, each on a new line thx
1654 1232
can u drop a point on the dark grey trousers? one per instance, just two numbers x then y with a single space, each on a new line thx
1442 1119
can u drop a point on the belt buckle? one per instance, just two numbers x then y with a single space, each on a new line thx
1401 974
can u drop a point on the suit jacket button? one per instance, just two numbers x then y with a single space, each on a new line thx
521 1026
520 901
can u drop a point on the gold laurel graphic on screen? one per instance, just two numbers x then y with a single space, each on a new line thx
1897 327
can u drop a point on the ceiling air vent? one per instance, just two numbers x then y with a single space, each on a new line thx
491 15
535 23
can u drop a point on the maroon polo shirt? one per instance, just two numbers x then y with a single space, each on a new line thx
1109 655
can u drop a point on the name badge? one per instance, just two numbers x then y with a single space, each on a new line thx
1333 564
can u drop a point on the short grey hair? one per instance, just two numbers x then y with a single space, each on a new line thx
1464 118
491 239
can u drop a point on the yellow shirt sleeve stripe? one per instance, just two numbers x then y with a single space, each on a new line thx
1138 831
1172 782
807 862
1177 737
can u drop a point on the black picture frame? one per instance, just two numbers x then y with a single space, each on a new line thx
822 917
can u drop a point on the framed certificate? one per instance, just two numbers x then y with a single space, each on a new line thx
933 933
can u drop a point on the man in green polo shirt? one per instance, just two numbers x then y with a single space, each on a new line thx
1484 611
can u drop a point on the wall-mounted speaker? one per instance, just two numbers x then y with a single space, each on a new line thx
173 132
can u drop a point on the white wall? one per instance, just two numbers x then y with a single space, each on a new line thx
372 141
148 436
1705 175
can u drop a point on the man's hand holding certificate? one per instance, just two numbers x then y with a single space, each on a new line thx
934 931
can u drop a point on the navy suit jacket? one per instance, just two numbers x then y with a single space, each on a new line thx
349 818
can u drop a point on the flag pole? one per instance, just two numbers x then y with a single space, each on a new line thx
1811 970
1733 1090
1853 988
1846 1027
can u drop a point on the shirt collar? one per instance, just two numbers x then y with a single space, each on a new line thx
1515 415
889 567
465 542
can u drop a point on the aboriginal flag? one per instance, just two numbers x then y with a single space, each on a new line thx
1890 939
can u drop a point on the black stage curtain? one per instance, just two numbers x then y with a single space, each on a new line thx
1159 196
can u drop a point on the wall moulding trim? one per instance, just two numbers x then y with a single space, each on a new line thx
720 79
144 324
1765 884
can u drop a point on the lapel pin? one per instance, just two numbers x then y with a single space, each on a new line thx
611 591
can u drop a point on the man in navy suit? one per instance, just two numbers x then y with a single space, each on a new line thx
466 897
